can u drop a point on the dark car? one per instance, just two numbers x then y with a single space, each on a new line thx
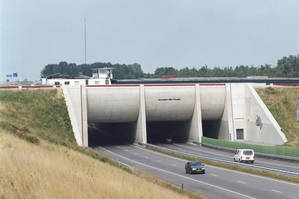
195 167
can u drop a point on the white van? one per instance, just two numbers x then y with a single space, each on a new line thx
244 155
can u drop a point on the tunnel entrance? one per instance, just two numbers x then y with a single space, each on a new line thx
167 132
101 134
210 128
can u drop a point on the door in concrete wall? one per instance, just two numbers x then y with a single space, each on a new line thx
240 134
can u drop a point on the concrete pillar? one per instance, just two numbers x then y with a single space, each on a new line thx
226 130
141 120
195 130
84 116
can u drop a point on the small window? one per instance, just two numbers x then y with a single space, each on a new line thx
66 83
57 83
86 82
240 134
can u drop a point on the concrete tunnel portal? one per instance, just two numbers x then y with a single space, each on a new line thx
126 114
170 113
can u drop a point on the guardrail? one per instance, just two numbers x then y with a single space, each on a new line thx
280 152
28 86
258 154
221 160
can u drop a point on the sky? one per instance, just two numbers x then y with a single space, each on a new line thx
153 33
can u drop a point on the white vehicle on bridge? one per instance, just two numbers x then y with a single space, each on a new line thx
244 155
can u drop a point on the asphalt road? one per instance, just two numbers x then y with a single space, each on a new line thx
216 183
228 156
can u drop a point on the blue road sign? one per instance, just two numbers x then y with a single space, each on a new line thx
15 74
8 75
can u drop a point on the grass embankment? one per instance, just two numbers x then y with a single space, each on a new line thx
275 150
40 158
52 171
230 166
282 103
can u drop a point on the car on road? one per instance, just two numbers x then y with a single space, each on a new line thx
195 167
244 155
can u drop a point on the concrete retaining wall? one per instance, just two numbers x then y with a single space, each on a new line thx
261 125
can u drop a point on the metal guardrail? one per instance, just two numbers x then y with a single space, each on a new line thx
259 154
222 161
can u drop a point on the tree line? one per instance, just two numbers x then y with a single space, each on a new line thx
287 66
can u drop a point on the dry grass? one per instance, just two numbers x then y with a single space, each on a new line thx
52 171
62 169
282 102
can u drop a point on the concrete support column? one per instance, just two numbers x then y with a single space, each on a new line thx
227 116
141 136
195 130
84 115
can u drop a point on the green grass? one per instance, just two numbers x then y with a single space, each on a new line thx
42 114
282 103
230 166
275 150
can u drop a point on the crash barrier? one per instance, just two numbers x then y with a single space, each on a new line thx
29 86
189 154
273 150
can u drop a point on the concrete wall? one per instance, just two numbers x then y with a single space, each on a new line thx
239 108
172 103
261 125
236 106
77 111
226 130
212 100
112 104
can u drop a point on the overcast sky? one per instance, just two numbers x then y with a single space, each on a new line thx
154 33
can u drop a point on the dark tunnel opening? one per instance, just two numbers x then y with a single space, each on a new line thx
167 132
101 134
210 128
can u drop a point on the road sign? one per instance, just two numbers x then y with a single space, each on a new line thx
15 74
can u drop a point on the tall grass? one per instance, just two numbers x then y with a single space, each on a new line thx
34 168
52 171
282 103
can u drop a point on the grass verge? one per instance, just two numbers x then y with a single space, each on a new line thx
282 103
229 166
275 150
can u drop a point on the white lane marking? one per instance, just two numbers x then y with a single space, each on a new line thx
213 174
228 170
172 173
276 191
126 150
161 154
228 156
135 153
173 165
241 182
158 160
145 157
